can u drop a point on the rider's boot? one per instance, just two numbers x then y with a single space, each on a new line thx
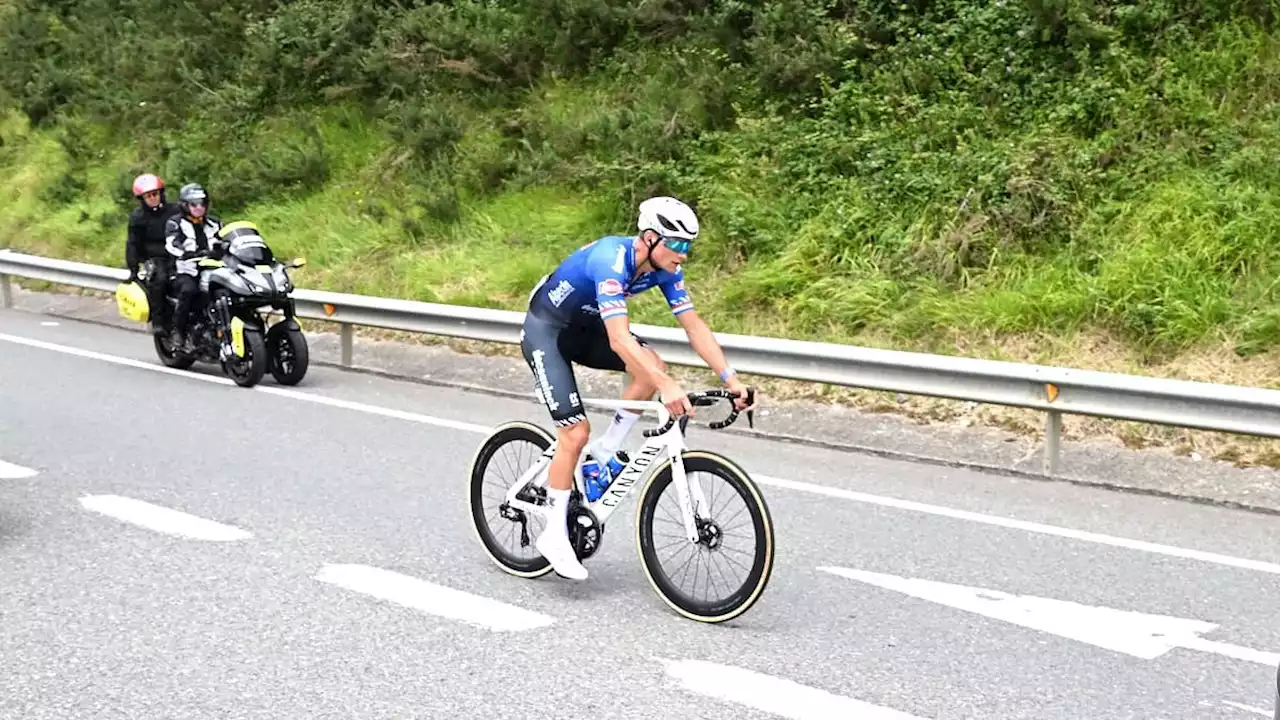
553 543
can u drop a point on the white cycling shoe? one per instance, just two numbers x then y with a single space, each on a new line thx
554 545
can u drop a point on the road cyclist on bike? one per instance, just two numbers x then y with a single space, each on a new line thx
578 314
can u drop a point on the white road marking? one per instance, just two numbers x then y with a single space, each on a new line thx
778 696
49 323
9 471
162 519
114 359
1248 708
1033 527
434 599
1141 635
284 392
376 410
884 501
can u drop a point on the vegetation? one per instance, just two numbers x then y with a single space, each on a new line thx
905 173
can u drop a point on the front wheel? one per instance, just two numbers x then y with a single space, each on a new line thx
505 531
247 371
670 559
287 349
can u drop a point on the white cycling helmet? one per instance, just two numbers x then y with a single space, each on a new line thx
669 218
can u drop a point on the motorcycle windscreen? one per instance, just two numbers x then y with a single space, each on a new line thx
251 250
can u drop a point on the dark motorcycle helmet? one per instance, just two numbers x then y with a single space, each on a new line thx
193 195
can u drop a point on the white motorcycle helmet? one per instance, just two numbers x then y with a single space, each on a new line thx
668 217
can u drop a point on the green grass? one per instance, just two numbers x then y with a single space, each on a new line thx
952 176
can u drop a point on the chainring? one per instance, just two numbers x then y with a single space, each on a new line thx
585 531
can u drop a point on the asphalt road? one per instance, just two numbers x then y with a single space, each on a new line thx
316 493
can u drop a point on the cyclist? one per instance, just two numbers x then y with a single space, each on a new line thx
578 314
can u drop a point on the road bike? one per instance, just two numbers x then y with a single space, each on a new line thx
662 461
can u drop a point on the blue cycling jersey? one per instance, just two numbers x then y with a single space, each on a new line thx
596 280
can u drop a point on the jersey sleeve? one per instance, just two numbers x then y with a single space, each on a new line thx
674 291
606 268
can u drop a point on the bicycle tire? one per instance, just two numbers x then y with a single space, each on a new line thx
742 599
514 431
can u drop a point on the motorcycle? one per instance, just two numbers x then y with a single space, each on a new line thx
229 315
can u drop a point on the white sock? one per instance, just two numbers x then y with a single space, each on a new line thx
617 432
559 510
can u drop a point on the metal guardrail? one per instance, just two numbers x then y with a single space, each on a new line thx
1052 390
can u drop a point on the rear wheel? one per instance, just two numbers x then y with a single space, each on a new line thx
169 355
670 559
507 533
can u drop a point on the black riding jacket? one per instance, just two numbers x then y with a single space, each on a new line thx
146 238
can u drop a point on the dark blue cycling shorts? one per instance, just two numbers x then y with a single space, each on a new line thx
550 349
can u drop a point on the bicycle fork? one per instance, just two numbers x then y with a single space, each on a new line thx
685 489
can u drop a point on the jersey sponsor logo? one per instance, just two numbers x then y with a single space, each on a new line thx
609 287
680 285
560 292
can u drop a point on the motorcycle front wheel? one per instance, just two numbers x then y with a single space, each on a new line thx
247 371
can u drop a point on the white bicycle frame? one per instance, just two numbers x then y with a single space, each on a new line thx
634 474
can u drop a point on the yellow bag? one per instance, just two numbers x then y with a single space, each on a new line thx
131 301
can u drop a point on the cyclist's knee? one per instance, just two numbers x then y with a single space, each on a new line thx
574 437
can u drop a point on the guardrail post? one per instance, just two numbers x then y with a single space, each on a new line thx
346 337
6 292
1052 435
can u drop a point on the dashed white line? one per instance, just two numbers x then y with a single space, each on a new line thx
897 503
162 519
785 698
433 599
9 471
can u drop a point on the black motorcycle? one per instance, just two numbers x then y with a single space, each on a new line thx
229 315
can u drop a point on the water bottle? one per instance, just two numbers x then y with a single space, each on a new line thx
591 479
597 479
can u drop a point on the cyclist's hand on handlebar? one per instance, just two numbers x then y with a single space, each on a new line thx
742 402
675 398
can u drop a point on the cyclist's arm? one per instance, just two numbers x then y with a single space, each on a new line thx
607 271
639 363
703 342
700 337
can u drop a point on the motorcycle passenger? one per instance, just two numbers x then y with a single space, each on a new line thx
189 235
145 243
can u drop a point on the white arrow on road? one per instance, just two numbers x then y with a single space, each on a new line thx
1132 633
9 471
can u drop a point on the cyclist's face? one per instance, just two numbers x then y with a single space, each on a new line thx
670 253
151 198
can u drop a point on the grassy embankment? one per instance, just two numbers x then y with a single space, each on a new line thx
1083 184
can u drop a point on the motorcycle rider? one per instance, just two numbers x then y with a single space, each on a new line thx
191 234
145 243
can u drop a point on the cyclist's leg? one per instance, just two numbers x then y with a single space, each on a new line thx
554 382
594 351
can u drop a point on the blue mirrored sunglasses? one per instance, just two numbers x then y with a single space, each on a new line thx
679 245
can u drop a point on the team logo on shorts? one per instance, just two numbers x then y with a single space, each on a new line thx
609 287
